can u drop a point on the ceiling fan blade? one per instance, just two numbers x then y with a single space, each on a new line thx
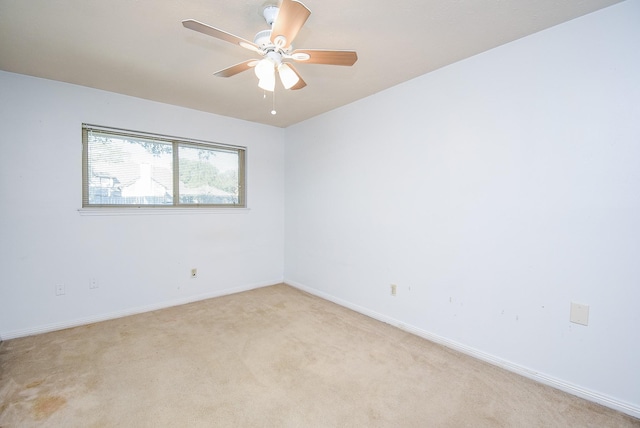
235 69
200 27
291 17
316 56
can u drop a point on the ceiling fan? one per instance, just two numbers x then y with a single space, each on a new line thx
275 47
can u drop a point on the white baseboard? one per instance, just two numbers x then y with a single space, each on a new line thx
624 407
6 335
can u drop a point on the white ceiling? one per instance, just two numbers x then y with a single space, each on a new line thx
140 48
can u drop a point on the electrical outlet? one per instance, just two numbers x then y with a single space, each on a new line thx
194 273
394 289
60 290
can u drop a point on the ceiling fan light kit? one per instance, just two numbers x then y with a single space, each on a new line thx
288 77
268 83
274 45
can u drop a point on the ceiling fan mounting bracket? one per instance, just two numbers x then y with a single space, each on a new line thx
270 13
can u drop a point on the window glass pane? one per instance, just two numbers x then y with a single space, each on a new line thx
208 176
125 170
131 169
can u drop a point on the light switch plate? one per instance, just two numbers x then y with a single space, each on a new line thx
579 313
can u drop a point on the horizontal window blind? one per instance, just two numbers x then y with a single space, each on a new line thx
130 169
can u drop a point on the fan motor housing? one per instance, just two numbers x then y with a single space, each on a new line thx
263 38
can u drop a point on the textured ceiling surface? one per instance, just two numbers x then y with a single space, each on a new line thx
140 48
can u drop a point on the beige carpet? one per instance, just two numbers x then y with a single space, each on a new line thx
272 357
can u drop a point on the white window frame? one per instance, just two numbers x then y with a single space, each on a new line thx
176 142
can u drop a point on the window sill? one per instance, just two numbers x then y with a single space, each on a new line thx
158 211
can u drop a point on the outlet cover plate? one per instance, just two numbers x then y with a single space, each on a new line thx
579 313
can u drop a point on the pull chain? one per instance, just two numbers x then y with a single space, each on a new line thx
273 111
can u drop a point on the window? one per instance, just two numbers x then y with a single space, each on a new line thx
132 169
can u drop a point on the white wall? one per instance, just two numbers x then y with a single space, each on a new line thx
493 192
141 262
